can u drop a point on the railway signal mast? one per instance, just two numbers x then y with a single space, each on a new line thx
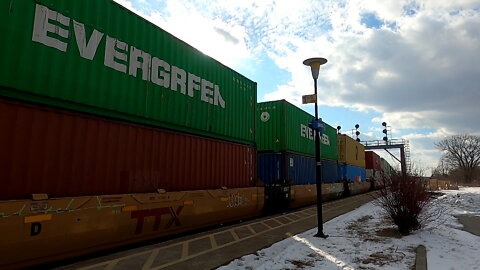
357 133
387 143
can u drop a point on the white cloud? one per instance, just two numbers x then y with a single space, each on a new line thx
424 73
215 37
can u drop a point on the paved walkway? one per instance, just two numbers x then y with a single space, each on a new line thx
209 250
470 224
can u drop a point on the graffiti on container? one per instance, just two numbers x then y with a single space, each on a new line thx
38 207
140 215
336 188
237 200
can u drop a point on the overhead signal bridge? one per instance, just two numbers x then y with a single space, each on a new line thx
402 144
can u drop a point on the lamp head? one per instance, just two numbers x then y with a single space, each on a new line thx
314 64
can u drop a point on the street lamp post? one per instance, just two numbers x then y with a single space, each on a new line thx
314 64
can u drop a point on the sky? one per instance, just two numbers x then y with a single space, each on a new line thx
412 64
366 239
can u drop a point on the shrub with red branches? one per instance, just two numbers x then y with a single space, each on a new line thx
404 199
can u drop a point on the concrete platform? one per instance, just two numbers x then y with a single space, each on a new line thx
211 249
470 223
421 258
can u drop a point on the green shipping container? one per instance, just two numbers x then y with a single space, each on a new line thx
97 57
281 126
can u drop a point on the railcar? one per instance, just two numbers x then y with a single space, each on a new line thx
114 132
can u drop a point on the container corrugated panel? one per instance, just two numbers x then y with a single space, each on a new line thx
350 151
372 161
301 169
65 154
269 132
286 168
352 173
329 149
281 126
329 171
96 56
271 168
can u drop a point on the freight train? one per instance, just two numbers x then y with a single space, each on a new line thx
113 131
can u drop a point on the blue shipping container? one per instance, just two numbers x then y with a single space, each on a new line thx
286 168
270 168
329 171
352 173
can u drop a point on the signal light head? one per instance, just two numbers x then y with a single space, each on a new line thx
357 126
385 131
384 124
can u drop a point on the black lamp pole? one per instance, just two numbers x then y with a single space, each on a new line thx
315 64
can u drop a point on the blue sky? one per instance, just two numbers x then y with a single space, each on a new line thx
412 64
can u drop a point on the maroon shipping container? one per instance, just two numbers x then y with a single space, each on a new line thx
44 150
372 161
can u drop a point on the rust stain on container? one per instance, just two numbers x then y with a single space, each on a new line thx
62 154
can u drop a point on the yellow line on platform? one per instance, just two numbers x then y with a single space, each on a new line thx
184 251
213 242
251 229
151 259
234 234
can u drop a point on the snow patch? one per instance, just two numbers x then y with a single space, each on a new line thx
366 239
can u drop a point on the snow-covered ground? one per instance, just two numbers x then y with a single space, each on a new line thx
365 239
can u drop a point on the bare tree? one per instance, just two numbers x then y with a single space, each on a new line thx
461 151
443 169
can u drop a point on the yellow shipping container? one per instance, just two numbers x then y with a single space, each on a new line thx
350 152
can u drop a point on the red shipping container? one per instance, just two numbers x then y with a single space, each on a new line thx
372 161
44 150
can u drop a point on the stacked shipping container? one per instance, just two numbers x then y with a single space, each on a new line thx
124 106
118 65
373 166
351 159
285 142
386 167
95 100
68 154
287 168
329 171
372 161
